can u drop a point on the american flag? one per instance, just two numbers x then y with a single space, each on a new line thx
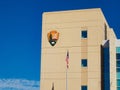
67 59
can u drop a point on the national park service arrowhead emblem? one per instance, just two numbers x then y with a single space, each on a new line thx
53 36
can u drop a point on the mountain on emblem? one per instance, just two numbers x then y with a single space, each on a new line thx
53 37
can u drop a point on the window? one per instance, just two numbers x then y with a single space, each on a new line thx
84 34
84 62
83 87
118 75
118 88
118 69
118 50
118 82
118 55
118 63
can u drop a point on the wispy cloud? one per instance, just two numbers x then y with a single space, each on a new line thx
18 84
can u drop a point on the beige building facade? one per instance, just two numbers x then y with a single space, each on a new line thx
84 38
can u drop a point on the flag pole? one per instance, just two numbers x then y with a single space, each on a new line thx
67 66
66 79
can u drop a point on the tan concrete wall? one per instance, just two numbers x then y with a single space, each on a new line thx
69 24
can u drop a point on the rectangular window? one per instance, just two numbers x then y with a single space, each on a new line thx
118 70
84 62
118 88
83 87
84 34
118 50
118 75
118 82
118 63
118 55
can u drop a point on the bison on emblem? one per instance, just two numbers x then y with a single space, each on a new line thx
53 37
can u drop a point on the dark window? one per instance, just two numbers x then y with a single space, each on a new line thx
118 63
84 62
83 87
84 34
118 55
118 88
118 69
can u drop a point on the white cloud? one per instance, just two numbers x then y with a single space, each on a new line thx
19 84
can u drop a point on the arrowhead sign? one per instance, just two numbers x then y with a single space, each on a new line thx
53 36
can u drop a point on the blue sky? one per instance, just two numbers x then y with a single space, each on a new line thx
20 35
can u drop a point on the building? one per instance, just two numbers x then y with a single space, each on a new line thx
118 63
78 51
